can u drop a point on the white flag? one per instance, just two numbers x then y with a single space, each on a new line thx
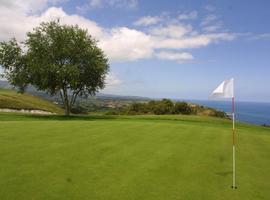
224 90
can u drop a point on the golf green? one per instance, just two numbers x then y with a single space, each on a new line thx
131 158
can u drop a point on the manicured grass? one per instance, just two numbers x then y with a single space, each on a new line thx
13 100
131 158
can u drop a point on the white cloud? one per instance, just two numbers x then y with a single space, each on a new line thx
27 6
178 57
211 23
119 43
171 30
213 27
263 36
127 44
112 81
193 42
54 13
186 16
166 18
207 20
94 4
12 27
148 20
123 3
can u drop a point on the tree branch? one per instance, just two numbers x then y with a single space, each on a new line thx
74 96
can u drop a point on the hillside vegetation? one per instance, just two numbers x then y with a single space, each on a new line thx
12 100
167 107
130 158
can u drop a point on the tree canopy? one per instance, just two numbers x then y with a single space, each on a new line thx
59 59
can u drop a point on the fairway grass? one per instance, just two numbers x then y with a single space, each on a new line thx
130 158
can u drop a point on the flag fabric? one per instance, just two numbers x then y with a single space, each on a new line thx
224 90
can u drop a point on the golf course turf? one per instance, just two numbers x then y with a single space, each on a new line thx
130 158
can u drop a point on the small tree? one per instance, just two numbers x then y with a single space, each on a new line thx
59 59
13 60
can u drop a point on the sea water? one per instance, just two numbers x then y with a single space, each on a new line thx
250 112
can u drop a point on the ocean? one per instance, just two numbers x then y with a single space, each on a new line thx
249 112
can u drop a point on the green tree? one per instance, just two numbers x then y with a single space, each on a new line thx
59 59
14 61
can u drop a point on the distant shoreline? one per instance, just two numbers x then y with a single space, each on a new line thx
257 113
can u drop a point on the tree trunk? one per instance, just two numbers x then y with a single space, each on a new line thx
66 102
67 111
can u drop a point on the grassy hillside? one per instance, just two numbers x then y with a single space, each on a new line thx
13 100
130 158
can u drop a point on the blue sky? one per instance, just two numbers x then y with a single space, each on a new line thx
174 49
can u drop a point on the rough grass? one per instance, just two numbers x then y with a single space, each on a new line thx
13 100
131 158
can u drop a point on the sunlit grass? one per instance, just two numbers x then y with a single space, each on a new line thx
123 157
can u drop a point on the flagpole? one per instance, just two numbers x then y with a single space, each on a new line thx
226 90
233 141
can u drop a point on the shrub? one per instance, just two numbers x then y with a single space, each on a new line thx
112 112
219 114
163 107
167 107
182 108
79 110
